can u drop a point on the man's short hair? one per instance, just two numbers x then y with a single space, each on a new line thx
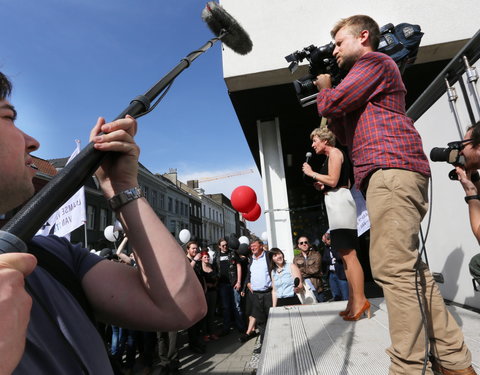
297 240
475 134
357 24
190 243
5 86
256 239
324 135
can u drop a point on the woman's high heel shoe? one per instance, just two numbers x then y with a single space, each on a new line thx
344 313
357 316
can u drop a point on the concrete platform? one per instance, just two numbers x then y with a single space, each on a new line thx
313 339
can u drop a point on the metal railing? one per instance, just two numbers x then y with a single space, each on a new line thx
452 73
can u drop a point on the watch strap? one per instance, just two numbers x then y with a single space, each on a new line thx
470 197
124 197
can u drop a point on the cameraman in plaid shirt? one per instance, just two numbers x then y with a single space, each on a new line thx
366 112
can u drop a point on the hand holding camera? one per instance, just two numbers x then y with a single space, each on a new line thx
323 81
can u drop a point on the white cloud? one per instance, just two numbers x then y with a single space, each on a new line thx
226 185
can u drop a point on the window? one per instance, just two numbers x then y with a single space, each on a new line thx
103 218
170 204
162 201
90 217
145 191
176 206
154 198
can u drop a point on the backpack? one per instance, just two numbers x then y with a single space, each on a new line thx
400 42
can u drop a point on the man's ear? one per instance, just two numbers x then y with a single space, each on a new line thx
364 37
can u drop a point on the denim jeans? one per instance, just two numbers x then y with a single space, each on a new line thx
116 341
229 305
338 287
124 340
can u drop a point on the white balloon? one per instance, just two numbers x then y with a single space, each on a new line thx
184 235
110 234
117 226
244 239
264 236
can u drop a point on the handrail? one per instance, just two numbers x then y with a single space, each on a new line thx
453 71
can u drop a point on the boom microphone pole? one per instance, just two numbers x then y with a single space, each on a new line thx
23 226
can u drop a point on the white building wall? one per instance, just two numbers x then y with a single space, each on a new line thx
177 220
229 220
212 220
280 27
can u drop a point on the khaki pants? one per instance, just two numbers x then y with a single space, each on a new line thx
396 203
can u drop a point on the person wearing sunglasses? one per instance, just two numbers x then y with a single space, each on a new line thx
309 263
469 177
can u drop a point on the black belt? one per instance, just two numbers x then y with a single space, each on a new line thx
263 291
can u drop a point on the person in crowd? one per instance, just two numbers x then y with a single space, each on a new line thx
284 287
244 255
168 353
46 330
334 181
210 275
309 262
260 285
469 177
229 285
366 111
333 268
124 340
194 258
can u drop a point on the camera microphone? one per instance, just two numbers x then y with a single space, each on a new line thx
308 155
223 25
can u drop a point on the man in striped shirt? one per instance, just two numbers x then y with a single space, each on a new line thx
366 111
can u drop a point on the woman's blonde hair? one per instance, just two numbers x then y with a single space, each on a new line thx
324 135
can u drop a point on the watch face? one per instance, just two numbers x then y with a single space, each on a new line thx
124 197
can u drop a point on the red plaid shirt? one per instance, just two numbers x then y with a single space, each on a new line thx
367 114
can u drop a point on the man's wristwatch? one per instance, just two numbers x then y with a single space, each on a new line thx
126 196
470 197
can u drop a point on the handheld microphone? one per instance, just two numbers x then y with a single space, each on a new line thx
296 282
224 26
308 155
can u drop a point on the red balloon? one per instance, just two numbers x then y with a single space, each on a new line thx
253 214
243 199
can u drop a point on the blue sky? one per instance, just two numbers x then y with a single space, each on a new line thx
74 60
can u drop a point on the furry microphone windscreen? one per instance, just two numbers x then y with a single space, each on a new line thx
218 19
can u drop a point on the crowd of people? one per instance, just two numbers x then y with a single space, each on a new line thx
241 282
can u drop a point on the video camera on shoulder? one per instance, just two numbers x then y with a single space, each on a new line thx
400 42
321 61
